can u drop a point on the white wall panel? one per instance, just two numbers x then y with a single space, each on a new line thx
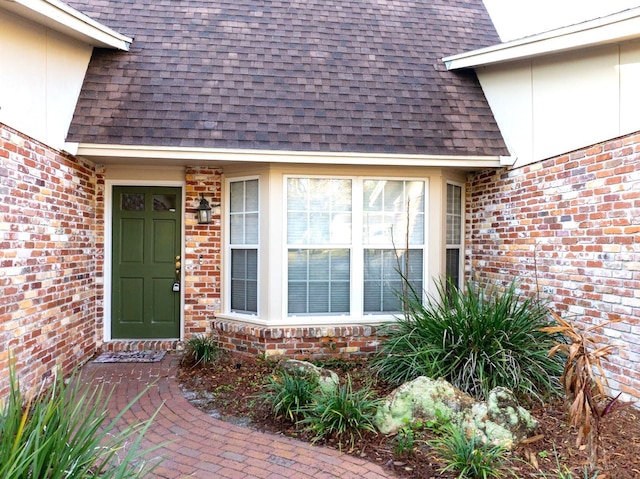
549 106
509 92
630 87
575 101
40 78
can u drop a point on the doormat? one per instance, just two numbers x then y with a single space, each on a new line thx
146 356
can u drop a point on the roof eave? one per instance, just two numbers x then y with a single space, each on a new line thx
615 28
62 18
104 153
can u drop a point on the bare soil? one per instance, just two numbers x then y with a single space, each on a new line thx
230 389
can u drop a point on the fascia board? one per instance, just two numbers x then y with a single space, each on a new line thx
102 153
64 19
615 28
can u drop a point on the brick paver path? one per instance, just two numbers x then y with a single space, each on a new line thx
204 447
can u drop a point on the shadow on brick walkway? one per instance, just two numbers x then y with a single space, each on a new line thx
204 447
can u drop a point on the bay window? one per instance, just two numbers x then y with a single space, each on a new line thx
352 243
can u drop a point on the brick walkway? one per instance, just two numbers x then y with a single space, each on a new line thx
204 447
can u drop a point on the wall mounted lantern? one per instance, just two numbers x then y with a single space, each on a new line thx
203 211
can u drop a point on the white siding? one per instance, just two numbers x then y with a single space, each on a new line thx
549 106
40 78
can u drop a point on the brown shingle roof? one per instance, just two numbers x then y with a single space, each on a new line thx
315 75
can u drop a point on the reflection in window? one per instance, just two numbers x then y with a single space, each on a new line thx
132 202
318 211
384 287
164 202
393 223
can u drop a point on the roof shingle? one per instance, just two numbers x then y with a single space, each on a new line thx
310 75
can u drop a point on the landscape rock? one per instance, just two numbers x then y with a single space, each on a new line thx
327 379
498 421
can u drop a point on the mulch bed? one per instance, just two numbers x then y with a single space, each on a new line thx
229 390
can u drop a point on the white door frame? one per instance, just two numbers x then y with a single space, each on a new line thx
108 245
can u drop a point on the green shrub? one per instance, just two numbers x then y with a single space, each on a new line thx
467 456
404 442
201 350
289 394
476 339
341 413
64 433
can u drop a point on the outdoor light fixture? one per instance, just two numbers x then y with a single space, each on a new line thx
203 211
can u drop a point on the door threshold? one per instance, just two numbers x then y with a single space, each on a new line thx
125 345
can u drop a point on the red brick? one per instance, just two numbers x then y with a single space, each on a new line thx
599 256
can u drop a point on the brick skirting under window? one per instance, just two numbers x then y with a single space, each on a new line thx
297 342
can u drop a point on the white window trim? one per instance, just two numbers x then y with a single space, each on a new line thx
357 315
226 299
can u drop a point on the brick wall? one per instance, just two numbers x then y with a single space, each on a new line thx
297 342
47 259
568 228
202 252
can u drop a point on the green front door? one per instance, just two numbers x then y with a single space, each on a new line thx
146 263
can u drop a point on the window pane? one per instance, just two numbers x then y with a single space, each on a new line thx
297 298
383 284
454 225
252 265
319 298
393 210
319 261
237 229
251 228
453 266
319 281
297 227
244 287
393 199
318 211
298 260
251 193
237 196
164 202
454 214
319 228
340 297
132 202
372 299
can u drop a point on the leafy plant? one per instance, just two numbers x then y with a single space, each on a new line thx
64 433
289 394
469 457
439 424
583 387
563 472
202 349
405 442
342 413
476 339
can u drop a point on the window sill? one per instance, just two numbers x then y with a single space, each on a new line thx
307 321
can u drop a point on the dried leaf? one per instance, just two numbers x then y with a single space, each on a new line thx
531 440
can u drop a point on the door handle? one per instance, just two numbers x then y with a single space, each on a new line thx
176 284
